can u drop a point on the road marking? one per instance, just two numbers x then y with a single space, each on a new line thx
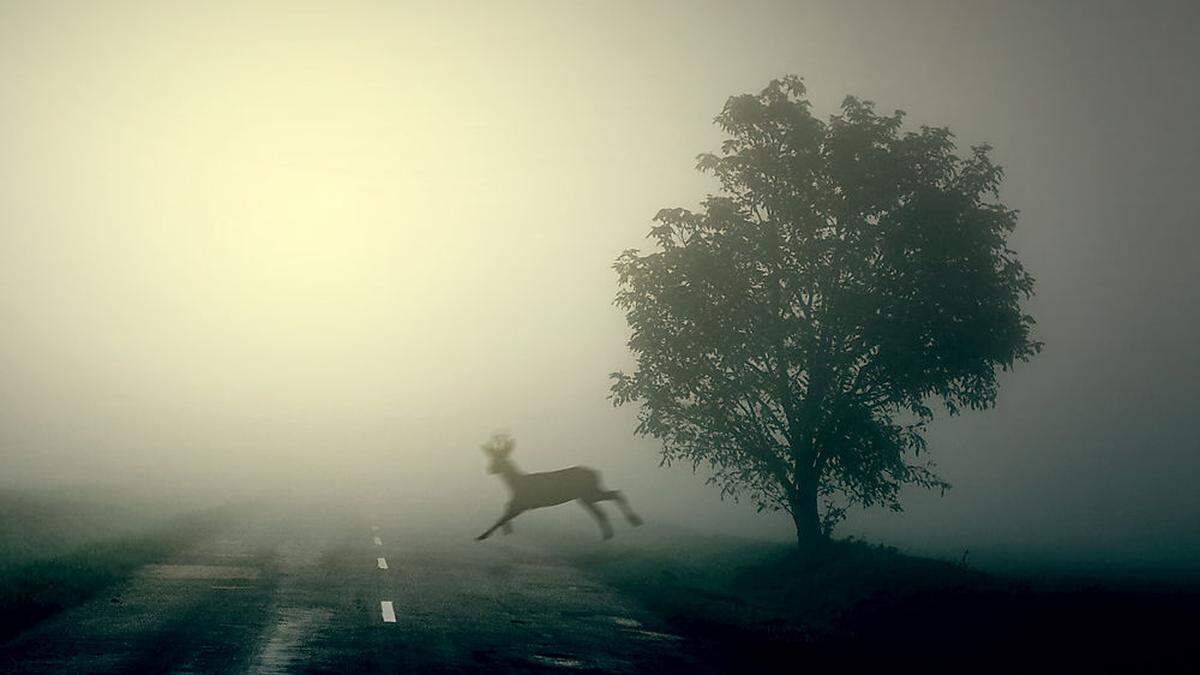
378 541
382 562
389 614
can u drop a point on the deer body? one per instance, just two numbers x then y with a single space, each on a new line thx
550 488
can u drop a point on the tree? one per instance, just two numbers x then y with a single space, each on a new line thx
794 334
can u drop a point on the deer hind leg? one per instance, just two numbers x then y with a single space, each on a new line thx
605 529
509 514
623 504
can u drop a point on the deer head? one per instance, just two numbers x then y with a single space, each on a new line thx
498 448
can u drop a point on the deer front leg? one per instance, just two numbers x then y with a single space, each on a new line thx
509 514
605 529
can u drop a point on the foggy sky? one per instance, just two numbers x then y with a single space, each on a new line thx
334 245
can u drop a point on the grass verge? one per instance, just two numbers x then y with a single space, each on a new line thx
751 606
74 553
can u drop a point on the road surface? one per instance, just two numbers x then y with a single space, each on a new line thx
312 591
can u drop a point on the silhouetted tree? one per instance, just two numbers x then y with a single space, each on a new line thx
793 334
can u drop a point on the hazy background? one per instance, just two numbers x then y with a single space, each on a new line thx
327 248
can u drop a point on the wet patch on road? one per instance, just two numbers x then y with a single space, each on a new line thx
656 635
284 646
199 572
556 661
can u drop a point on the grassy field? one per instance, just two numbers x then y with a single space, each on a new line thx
60 548
751 605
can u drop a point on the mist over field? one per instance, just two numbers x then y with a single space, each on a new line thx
322 251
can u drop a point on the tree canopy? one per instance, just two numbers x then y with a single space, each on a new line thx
795 333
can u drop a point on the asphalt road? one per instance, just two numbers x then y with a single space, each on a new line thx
286 591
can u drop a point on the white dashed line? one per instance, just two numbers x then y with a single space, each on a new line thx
385 606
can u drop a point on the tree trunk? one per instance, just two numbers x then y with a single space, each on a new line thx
809 536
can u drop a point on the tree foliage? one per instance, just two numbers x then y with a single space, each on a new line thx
794 333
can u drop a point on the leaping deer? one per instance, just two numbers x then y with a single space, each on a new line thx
549 488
